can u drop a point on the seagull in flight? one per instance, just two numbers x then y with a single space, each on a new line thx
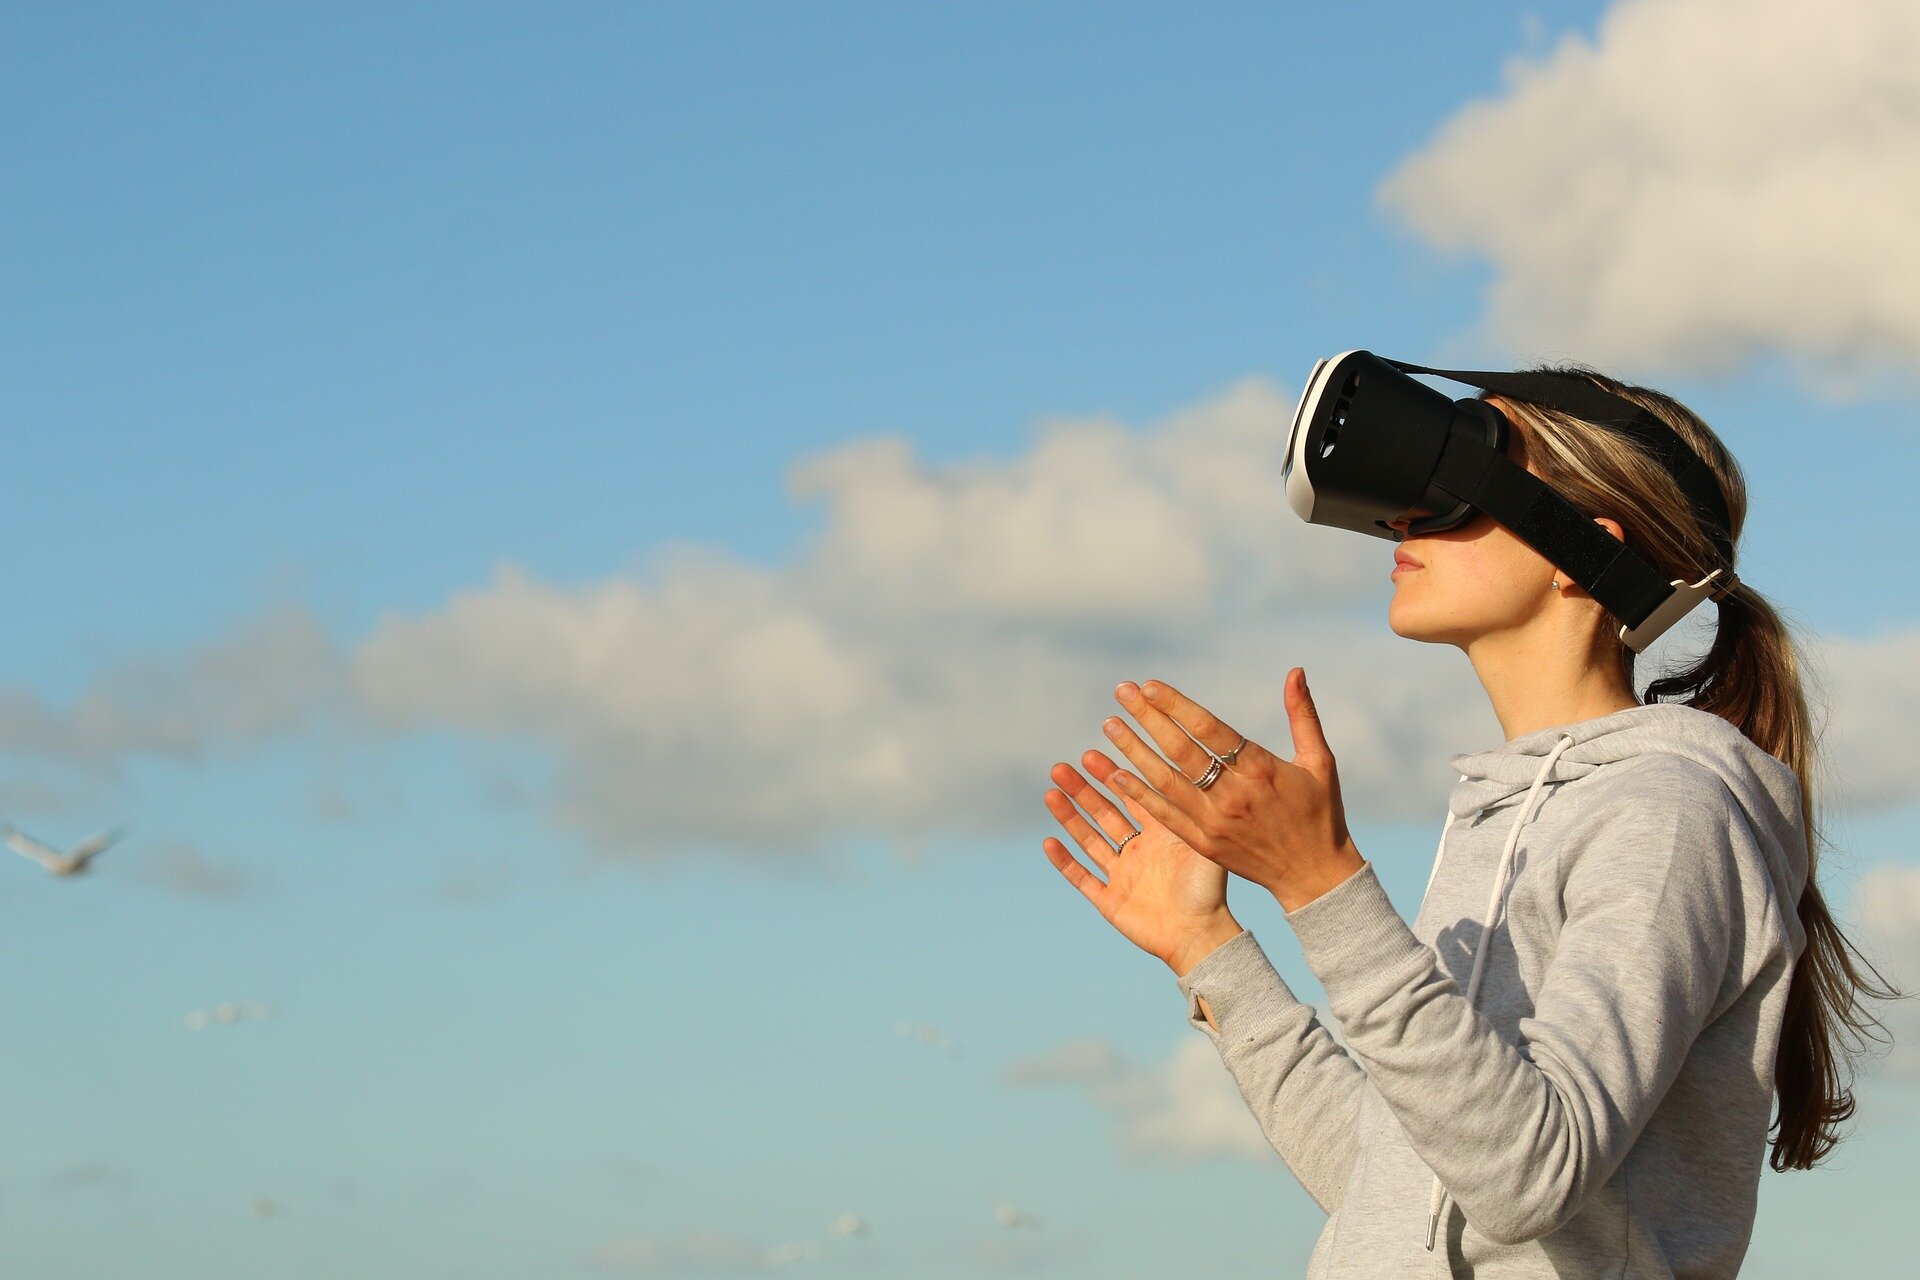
70 863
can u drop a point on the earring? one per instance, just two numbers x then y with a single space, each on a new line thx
1556 584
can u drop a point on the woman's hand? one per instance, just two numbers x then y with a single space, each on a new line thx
1162 896
1275 822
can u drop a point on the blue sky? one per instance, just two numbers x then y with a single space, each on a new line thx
415 415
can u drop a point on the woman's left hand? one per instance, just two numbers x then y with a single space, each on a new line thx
1278 823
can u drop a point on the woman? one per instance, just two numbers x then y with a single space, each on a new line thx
1566 1065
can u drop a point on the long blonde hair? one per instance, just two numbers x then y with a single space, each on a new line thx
1751 676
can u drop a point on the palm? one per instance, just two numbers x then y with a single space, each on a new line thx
1158 891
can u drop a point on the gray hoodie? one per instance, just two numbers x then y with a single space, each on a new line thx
1585 1087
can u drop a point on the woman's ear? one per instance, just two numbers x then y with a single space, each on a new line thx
1612 526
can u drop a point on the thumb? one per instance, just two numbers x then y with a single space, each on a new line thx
1303 718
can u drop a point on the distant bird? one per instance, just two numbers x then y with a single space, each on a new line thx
928 1034
70 863
226 1014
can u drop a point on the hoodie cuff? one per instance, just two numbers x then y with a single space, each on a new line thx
1356 943
1242 988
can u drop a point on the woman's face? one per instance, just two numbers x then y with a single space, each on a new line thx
1474 580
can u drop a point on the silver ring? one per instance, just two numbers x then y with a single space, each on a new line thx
1228 757
1211 776
1123 841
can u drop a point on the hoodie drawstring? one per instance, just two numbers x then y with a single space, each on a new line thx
1438 1201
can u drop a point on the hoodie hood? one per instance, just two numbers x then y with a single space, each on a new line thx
1764 787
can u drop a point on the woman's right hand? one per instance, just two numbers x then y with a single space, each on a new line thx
1161 895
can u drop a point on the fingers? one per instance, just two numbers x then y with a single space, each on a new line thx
1169 795
1145 760
1091 840
1078 876
1108 816
1303 718
1173 734
1164 703
1168 813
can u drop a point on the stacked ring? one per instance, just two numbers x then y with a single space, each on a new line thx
1219 762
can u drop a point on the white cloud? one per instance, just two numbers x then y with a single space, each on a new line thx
725 705
1703 181
1180 1111
270 677
954 631
1872 698
1081 1061
1887 906
1068 533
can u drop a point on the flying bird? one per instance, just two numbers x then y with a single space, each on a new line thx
928 1034
226 1013
71 863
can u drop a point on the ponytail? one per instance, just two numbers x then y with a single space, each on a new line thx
1751 677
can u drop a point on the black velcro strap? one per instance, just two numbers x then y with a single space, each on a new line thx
1571 393
1611 571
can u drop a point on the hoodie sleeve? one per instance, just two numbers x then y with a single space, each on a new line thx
1299 1083
1523 1133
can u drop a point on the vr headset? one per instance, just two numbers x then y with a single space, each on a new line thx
1370 444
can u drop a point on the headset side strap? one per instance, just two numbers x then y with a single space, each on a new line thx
1611 571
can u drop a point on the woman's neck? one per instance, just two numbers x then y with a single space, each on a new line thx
1539 678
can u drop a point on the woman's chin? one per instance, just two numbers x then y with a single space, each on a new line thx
1404 620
